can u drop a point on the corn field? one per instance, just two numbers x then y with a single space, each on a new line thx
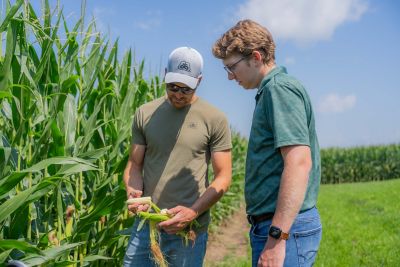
235 195
360 164
67 101
66 108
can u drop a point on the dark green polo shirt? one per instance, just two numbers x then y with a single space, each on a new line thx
283 116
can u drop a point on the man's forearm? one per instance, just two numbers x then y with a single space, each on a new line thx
293 185
133 178
292 190
222 166
213 193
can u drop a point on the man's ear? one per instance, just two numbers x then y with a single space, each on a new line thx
257 55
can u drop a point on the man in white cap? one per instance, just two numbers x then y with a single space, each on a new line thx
174 139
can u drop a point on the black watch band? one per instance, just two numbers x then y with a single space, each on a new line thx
277 233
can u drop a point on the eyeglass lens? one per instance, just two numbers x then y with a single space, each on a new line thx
232 67
184 90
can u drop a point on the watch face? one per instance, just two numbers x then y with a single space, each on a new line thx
275 232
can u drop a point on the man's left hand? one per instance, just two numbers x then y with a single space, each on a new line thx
182 216
273 254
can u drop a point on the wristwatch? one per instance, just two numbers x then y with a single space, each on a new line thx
277 233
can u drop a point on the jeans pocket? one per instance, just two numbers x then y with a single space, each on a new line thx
307 243
260 230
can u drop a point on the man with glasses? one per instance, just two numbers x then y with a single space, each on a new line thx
283 161
173 140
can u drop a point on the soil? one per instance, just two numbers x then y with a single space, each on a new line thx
231 238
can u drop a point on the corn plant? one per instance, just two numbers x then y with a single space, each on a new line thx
233 198
360 164
66 106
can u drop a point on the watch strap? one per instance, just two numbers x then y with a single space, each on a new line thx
284 236
277 233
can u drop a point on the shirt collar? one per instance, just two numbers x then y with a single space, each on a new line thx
268 78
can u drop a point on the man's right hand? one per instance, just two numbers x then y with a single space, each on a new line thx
136 207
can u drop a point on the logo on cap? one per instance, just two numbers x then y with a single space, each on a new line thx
183 65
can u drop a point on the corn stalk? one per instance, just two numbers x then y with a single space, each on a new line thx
67 101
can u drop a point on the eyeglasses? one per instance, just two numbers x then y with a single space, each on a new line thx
175 88
230 69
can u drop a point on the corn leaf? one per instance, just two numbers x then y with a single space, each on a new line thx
70 120
10 15
20 245
9 182
4 255
95 258
50 254
10 48
14 203
60 161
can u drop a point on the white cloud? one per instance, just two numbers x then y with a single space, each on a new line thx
290 61
153 21
100 16
303 21
334 103
148 24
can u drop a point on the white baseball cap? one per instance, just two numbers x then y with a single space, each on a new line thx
185 65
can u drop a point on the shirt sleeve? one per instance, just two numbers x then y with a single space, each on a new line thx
221 136
138 136
286 112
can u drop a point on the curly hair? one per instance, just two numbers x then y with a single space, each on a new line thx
244 38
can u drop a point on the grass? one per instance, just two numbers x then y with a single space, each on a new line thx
360 226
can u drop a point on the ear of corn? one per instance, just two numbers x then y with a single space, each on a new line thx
139 200
156 217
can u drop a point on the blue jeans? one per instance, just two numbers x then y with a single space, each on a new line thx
303 243
173 247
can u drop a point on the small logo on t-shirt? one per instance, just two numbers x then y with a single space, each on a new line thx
192 125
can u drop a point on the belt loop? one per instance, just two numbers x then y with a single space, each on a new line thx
250 220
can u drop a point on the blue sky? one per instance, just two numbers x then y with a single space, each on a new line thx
346 53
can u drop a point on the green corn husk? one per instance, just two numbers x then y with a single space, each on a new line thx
154 216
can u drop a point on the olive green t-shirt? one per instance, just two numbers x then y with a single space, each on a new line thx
178 144
283 116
